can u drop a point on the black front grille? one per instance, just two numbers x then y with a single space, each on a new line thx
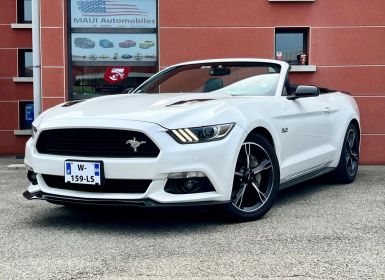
92 142
109 186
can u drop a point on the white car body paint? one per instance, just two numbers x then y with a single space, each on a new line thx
308 135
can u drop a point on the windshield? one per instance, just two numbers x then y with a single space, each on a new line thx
234 78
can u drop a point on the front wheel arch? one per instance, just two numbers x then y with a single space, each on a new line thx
264 133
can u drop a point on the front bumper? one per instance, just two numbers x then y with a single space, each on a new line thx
67 200
215 159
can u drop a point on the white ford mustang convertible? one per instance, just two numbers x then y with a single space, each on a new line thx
229 133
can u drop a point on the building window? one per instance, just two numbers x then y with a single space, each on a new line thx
25 63
291 45
113 47
26 115
24 11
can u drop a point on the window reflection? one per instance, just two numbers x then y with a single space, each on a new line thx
290 44
88 81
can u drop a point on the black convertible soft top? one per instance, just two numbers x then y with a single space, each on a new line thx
323 90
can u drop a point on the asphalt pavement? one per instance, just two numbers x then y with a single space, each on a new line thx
316 230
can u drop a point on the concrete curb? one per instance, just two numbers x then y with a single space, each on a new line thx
16 166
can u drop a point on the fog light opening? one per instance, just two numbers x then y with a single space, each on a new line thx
191 186
32 177
188 185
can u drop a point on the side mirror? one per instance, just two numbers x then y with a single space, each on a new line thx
304 91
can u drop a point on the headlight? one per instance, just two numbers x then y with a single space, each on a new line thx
34 130
201 134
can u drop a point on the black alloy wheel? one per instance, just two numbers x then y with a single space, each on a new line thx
347 168
256 180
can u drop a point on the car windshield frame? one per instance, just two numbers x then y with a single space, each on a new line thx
151 86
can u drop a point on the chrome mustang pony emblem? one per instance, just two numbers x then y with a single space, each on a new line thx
135 144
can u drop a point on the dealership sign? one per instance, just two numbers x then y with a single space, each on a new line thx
114 75
120 47
113 14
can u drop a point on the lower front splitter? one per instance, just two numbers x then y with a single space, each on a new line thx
58 199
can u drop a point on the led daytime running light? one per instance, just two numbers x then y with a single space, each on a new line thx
194 135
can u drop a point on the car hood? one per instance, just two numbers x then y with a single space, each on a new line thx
168 110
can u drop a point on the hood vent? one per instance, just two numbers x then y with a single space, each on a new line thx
70 103
189 102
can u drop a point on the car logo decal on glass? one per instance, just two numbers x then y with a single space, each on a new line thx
135 144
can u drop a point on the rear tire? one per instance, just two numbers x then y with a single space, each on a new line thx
347 168
256 181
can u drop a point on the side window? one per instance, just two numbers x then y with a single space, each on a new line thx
291 45
24 13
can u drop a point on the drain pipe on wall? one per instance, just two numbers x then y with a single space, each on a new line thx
36 58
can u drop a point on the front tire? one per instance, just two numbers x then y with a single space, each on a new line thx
347 168
256 180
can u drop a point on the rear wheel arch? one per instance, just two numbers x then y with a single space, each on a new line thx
347 167
357 125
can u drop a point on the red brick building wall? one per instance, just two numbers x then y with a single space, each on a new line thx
11 92
347 39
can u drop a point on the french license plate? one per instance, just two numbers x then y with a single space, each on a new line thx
83 172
